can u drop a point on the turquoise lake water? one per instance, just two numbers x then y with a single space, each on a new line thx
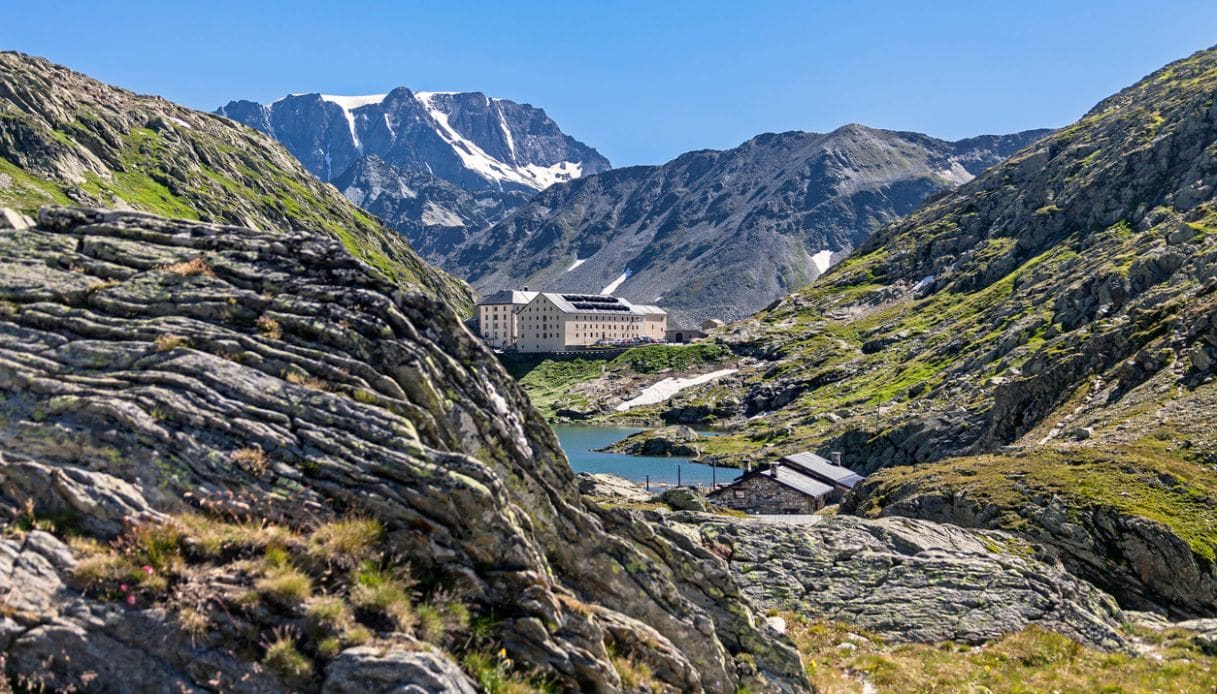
579 440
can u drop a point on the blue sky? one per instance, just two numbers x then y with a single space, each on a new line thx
642 81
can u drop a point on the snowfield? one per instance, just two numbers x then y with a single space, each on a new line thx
822 261
348 104
612 286
476 159
668 387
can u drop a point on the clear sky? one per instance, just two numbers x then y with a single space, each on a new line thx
642 81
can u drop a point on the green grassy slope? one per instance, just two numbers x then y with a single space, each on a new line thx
67 139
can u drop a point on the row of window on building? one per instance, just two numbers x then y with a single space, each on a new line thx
553 322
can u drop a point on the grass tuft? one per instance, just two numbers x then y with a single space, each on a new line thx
168 343
189 268
285 584
251 459
269 327
285 660
347 540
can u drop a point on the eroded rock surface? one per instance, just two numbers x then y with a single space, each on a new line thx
909 580
609 486
139 355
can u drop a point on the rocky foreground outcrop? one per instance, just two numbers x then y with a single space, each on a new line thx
909 580
153 369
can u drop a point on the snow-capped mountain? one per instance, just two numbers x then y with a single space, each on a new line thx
436 166
469 139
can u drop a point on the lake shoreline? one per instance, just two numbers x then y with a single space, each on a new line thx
579 442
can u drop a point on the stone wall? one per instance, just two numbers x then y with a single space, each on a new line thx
762 494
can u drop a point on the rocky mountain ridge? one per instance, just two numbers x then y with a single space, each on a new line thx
436 166
465 138
721 234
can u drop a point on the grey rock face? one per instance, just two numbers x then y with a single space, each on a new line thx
12 219
468 139
1138 559
610 486
141 353
911 580
434 166
683 499
678 440
369 670
722 234
436 216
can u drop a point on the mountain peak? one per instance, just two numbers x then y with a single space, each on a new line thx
464 138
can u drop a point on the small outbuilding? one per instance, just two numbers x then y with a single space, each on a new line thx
795 484
776 489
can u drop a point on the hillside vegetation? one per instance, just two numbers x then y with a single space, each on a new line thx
67 139
1054 316
572 386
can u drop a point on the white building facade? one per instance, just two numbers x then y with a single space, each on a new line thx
554 322
497 317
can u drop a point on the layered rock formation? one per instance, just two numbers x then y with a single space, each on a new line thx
155 368
911 580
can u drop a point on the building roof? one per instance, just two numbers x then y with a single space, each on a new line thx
508 296
648 310
798 481
589 303
786 476
824 470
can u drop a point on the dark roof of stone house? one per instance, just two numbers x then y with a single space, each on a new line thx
785 476
824 470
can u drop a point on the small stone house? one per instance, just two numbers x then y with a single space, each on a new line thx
776 489
797 484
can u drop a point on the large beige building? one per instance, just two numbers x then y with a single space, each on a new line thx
558 322
497 316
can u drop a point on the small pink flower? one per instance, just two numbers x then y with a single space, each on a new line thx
149 570
123 587
131 600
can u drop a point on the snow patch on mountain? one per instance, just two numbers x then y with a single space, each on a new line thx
822 261
668 387
348 104
612 286
956 173
577 263
476 159
511 144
